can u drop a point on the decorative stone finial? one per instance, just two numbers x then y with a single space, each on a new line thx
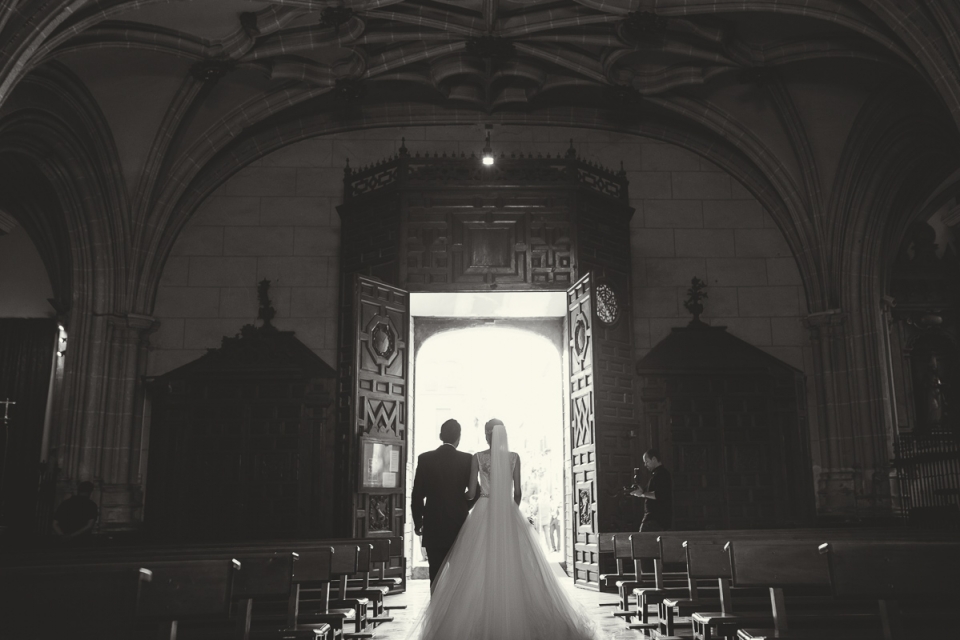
695 294
267 312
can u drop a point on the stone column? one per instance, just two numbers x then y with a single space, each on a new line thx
101 438
849 469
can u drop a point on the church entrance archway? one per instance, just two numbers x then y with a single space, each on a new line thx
478 356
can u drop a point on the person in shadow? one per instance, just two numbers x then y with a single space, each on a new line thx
76 516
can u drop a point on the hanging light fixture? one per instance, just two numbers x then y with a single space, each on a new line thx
487 155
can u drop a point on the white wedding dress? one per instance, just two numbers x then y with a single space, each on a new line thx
496 582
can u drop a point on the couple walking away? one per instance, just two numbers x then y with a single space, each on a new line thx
488 574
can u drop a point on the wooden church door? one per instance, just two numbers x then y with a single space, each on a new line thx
583 446
378 412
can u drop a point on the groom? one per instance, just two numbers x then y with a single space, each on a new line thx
441 480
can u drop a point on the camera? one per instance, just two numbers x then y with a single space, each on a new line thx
636 482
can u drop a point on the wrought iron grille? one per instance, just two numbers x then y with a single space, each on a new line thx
928 471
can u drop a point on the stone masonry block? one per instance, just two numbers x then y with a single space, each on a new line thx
650 185
636 220
736 272
641 330
651 243
706 243
667 157
313 302
733 214
208 333
333 272
769 301
186 302
223 272
228 211
169 335
783 271
639 271
315 152
176 272
689 185
722 302
787 332
324 181
199 241
756 331
262 181
675 214
761 243
258 241
295 211
656 302
666 272
294 272
316 241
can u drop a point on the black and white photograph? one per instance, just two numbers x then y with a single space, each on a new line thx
479 319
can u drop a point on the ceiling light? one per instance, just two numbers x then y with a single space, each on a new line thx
487 152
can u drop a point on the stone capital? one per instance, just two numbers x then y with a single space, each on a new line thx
824 321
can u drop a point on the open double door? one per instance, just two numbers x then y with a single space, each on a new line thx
375 395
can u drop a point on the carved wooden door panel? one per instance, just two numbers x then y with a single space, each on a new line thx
580 323
381 315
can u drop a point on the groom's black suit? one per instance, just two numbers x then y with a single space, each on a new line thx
441 479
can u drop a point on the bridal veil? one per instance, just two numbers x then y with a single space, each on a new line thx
497 582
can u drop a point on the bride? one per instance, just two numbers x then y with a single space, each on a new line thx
496 582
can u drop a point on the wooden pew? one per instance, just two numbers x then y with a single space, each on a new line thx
264 581
352 601
187 591
671 551
894 574
607 544
710 561
783 565
646 546
623 551
88 600
316 605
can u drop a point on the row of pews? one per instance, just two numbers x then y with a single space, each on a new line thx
317 589
786 584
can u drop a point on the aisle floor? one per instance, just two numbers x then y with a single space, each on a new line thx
418 596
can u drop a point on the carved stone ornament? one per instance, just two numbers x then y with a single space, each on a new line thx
585 517
608 308
379 511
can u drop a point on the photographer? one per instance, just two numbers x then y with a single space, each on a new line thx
658 496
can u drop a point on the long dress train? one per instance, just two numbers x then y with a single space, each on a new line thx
496 582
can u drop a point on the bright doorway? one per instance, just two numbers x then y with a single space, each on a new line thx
484 355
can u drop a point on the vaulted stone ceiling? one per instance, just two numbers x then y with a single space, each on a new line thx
165 99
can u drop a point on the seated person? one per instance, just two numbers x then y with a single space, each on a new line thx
75 517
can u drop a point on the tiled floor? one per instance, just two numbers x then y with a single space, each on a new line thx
418 595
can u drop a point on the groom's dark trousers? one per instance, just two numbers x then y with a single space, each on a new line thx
439 503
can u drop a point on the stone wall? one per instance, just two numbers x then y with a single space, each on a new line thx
277 219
